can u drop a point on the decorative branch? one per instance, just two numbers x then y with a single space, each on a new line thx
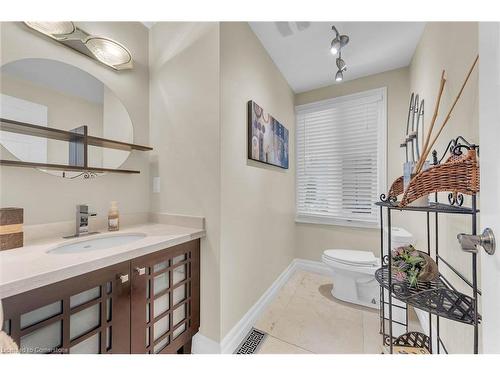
448 116
434 117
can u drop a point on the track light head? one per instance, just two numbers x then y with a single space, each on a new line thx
341 64
339 42
339 76
335 46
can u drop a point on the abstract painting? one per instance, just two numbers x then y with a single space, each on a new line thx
267 137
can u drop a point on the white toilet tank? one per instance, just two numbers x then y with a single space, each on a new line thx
399 237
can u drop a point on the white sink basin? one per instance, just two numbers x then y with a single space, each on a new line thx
98 243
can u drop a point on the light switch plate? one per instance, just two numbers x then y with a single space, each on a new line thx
156 184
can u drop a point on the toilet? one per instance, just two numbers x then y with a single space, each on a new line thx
353 271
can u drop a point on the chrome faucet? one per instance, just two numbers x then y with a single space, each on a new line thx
82 221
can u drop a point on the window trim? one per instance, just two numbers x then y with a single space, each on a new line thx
381 165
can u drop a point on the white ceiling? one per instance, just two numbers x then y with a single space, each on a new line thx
301 50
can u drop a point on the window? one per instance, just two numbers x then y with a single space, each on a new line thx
341 159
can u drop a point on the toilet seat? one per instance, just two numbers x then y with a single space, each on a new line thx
355 258
366 270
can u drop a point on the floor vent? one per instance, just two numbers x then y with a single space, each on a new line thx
251 343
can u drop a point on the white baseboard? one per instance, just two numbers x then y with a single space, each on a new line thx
233 338
312 266
204 345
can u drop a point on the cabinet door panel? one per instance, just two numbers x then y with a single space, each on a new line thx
165 299
84 314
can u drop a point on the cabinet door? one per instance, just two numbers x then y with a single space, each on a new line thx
85 314
165 299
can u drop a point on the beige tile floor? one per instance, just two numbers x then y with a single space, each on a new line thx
304 318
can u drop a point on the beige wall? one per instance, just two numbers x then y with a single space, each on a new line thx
451 46
313 239
257 206
185 132
24 187
202 76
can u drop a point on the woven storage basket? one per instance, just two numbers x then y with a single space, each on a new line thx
459 174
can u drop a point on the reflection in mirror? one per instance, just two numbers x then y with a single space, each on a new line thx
54 94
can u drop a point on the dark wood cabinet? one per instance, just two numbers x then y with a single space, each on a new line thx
150 304
165 308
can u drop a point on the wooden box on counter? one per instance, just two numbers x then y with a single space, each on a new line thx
11 228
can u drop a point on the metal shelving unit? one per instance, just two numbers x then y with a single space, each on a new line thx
438 297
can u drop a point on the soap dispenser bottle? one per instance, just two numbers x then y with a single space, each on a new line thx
113 217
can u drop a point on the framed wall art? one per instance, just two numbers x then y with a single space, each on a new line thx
267 137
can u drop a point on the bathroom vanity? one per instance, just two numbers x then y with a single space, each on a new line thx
141 296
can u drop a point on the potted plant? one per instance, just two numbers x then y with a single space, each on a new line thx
411 265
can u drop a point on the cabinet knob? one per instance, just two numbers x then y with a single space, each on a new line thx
140 270
124 278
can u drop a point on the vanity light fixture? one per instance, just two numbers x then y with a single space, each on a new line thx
339 42
102 49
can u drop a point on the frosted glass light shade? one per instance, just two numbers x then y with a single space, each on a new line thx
335 46
108 51
53 29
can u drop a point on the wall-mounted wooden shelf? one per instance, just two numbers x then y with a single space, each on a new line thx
64 135
81 139
63 167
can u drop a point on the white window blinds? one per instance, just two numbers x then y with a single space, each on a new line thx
341 148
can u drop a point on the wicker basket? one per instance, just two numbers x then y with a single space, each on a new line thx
412 343
459 174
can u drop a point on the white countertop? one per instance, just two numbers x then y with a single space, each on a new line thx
31 267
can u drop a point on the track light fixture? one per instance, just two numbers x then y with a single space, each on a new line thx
339 42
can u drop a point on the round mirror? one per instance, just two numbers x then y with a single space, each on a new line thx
57 95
